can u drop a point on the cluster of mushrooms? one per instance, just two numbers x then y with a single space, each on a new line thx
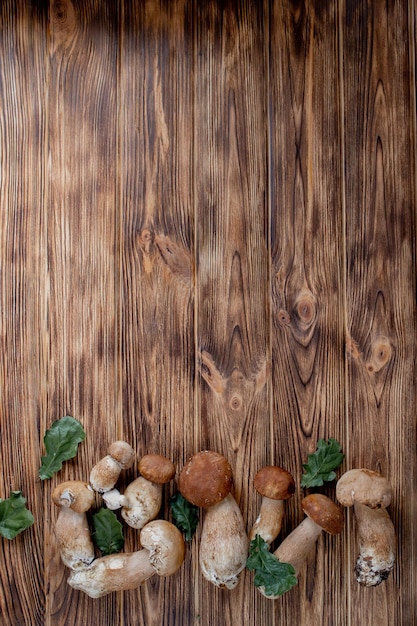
206 481
163 547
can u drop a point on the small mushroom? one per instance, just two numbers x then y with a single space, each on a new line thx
162 553
142 499
206 481
71 529
105 473
275 485
370 493
321 514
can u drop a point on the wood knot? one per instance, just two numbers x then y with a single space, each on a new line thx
62 11
284 317
63 23
145 237
381 352
235 403
305 307
59 11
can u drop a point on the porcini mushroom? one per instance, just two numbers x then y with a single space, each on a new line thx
370 494
105 473
206 481
322 514
71 529
162 553
275 485
142 499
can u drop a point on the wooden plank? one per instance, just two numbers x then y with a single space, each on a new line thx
23 352
82 280
379 114
307 275
157 259
233 267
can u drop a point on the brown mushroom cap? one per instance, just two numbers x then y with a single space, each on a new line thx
206 479
75 495
364 486
324 512
123 453
274 482
156 468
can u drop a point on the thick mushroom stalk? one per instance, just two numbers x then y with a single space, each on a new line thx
142 499
223 544
206 481
162 553
376 538
322 514
71 529
106 472
370 493
275 485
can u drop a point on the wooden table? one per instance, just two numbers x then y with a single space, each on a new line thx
208 240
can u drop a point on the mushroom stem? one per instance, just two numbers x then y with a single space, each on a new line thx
269 521
74 539
162 553
115 500
74 498
296 547
377 545
114 572
224 544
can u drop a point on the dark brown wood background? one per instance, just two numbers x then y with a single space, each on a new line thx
208 240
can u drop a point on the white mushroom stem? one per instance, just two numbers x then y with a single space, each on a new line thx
296 547
114 572
163 553
268 524
74 539
115 500
74 498
224 544
377 545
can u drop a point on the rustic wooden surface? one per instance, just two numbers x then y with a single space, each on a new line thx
208 240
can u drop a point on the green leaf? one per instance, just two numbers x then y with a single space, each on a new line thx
322 463
274 576
14 516
108 532
184 515
61 444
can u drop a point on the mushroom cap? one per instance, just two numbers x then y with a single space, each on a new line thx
274 482
156 468
205 479
364 486
75 495
165 544
324 512
123 453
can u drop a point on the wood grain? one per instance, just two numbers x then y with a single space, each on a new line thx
81 231
307 273
232 263
23 317
208 240
157 260
380 223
